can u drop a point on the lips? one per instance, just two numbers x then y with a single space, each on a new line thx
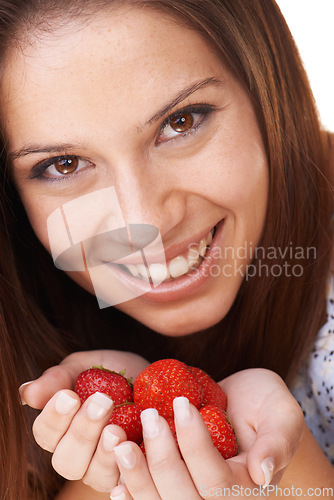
177 288
176 267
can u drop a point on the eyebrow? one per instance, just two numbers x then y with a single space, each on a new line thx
58 148
52 148
181 96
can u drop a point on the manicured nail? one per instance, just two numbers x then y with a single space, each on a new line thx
119 497
125 455
98 406
182 410
268 470
116 494
21 391
109 439
65 403
151 423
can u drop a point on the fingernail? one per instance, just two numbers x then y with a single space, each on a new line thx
268 470
151 422
65 403
98 406
125 455
116 494
110 440
182 410
21 391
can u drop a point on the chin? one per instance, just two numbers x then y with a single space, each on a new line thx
178 324
180 318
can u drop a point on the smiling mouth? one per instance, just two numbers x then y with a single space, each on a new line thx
176 267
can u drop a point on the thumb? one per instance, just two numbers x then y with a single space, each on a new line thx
275 446
37 393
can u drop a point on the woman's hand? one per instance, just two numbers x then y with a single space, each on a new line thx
268 423
78 436
266 418
38 392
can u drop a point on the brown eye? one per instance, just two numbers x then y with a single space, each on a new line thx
67 165
61 167
182 123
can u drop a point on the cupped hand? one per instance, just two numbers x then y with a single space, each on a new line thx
78 436
268 424
267 419
38 392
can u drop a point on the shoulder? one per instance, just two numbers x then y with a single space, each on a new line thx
313 387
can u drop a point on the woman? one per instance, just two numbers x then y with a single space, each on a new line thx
233 99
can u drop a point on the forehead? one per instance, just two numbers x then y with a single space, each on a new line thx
117 61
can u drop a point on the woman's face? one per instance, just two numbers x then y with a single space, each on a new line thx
139 104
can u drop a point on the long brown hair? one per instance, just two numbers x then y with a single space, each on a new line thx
44 315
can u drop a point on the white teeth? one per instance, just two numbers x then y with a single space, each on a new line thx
143 271
209 238
178 266
195 264
202 247
193 255
133 269
159 272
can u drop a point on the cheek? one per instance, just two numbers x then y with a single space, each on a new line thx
244 177
40 229
38 213
232 174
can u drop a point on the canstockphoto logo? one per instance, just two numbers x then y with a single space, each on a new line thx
90 233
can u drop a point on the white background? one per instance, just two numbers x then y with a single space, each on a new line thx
311 23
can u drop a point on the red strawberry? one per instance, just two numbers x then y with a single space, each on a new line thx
99 379
158 384
221 430
213 393
127 416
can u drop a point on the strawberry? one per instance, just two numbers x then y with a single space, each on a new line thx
221 430
213 393
99 379
127 416
158 384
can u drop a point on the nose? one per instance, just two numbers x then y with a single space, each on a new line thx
95 221
135 208
149 196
